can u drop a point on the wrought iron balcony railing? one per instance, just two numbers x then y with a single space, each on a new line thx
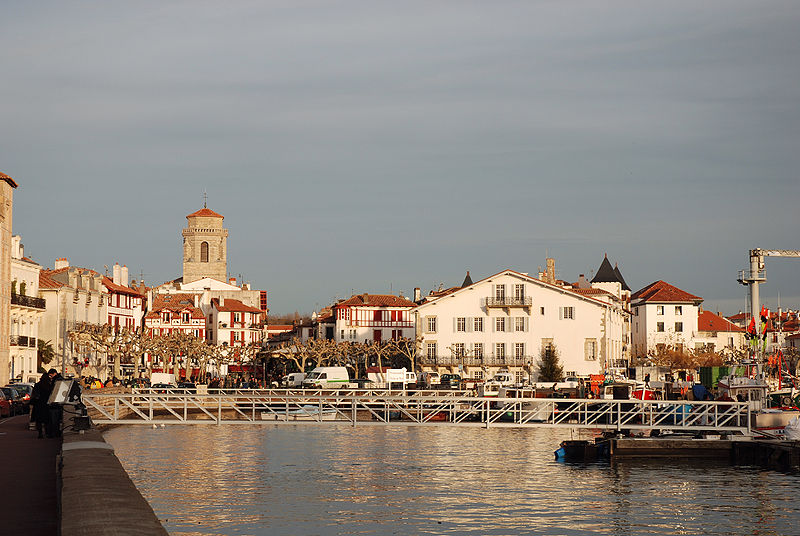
28 301
509 301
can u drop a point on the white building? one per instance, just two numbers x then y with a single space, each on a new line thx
125 304
235 323
373 318
27 309
505 321
73 295
716 334
664 317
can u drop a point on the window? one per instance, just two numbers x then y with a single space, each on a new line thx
477 374
477 350
500 324
519 376
660 326
730 342
430 350
519 323
458 349
500 350
342 337
237 317
659 309
519 350
678 327
185 318
590 350
519 292
568 313
500 292
678 310
541 311
431 324
165 317
204 252
478 324
461 324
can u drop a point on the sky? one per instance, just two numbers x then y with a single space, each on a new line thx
377 146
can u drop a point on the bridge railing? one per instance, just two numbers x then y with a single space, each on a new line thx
364 407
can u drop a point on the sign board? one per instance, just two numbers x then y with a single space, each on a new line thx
64 391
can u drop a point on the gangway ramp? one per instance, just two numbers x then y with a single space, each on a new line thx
422 408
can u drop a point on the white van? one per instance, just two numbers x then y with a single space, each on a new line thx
163 378
327 378
295 379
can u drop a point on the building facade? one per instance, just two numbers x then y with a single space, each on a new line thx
27 309
664 317
73 295
205 246
373 318
503 322
7 186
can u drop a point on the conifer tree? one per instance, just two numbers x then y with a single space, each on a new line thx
550 369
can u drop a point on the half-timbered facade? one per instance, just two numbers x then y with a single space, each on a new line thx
233 323
373 318
175 313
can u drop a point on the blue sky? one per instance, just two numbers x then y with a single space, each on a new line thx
375 146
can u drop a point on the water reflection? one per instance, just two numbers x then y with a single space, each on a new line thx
330 479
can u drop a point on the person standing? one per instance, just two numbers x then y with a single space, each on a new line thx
53 426
39 412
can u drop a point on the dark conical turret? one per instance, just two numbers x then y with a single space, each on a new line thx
467 281
620 278
605 274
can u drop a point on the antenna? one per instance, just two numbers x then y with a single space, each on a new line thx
205 199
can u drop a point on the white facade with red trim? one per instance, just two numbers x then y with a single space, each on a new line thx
373 318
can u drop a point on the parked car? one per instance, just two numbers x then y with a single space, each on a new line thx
451 381
187 387
18 404
161 387
25 390
6 405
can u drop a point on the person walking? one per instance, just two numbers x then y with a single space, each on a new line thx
39 396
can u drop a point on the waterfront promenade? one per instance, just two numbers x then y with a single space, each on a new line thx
30 497
73 486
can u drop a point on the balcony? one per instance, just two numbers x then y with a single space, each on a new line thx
470 361
28 301
508 301
22 340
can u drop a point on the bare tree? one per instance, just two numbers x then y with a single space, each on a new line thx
409 349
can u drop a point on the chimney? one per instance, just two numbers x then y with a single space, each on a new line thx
61 263
551 271
196 300
582 282
116 277
417 294
206 297
123 275
232 281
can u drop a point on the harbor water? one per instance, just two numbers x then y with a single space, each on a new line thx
309 479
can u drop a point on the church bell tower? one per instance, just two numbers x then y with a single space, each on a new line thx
205 246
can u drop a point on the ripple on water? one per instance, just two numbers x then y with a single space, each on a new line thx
328 479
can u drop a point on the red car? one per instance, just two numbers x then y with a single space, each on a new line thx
6 405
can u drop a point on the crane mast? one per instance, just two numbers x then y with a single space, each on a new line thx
757 275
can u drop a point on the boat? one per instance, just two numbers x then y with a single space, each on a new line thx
303 413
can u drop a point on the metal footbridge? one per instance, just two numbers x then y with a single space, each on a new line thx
359 407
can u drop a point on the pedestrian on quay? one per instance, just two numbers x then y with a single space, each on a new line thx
53 425
39 412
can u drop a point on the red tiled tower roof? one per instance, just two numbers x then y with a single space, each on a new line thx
9 180
205 213
661 291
